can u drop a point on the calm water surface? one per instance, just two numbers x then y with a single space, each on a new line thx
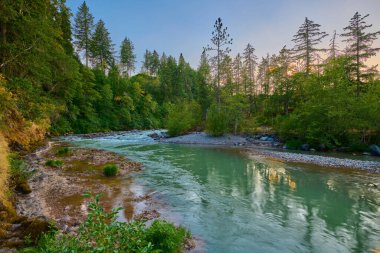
237 202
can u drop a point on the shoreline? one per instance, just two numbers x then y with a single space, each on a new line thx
270 150
57 192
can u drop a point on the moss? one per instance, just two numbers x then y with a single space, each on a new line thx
63 151
54 163
110 170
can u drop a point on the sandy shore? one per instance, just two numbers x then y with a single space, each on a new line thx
265 149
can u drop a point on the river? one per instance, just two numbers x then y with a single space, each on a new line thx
237 202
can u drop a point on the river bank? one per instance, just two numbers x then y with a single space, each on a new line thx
271 150
57 191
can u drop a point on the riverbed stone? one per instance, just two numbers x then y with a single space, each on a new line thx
375 150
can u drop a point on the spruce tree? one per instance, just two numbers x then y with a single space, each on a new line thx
101 47
359 48
333 47
146 64
84 24
127 56
306 40
238 72
250 64
220 40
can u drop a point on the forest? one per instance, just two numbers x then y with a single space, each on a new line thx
60 77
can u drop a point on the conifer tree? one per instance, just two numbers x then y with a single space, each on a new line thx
101 47
146 64
250 64
127 56
238 72
306 40
155 63
84 24
333 47
359 48
220 40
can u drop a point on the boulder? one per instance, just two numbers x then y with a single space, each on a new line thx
154 136
375 150
322 147
305 147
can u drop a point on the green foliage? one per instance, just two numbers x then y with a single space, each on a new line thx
18 168
216 122
293 144
63 151
54 163
110 170
183 117
19 174
101 232
166 237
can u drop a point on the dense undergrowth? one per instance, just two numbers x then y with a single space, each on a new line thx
101 232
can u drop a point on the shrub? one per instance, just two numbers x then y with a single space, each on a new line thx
54 163
216 123
110 170
293 144
63 151
101 232
182 117
166 237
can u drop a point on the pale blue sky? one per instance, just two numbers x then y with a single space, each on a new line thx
185 26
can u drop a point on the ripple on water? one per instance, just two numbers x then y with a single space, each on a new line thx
237 203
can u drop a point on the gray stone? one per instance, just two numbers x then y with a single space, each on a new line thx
375 150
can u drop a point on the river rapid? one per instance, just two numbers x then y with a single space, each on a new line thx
235 201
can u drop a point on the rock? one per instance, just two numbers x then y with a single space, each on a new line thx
264 138
322 147
366 153
154 136
375 150
312 150
23 188
305 147
35 227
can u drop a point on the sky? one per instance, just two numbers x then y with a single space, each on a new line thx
185 26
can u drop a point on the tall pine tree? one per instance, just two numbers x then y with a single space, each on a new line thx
84 24
220 40
359 48
127 56
306 40
101 47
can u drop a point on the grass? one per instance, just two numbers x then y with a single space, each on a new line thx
63 151
101 232
110 170
4 172
54 163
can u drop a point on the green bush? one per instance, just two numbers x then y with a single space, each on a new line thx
110 170
182 117
63 151
166 237
216 123
101 232
54 163
293 144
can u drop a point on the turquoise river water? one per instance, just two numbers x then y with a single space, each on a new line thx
237 202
